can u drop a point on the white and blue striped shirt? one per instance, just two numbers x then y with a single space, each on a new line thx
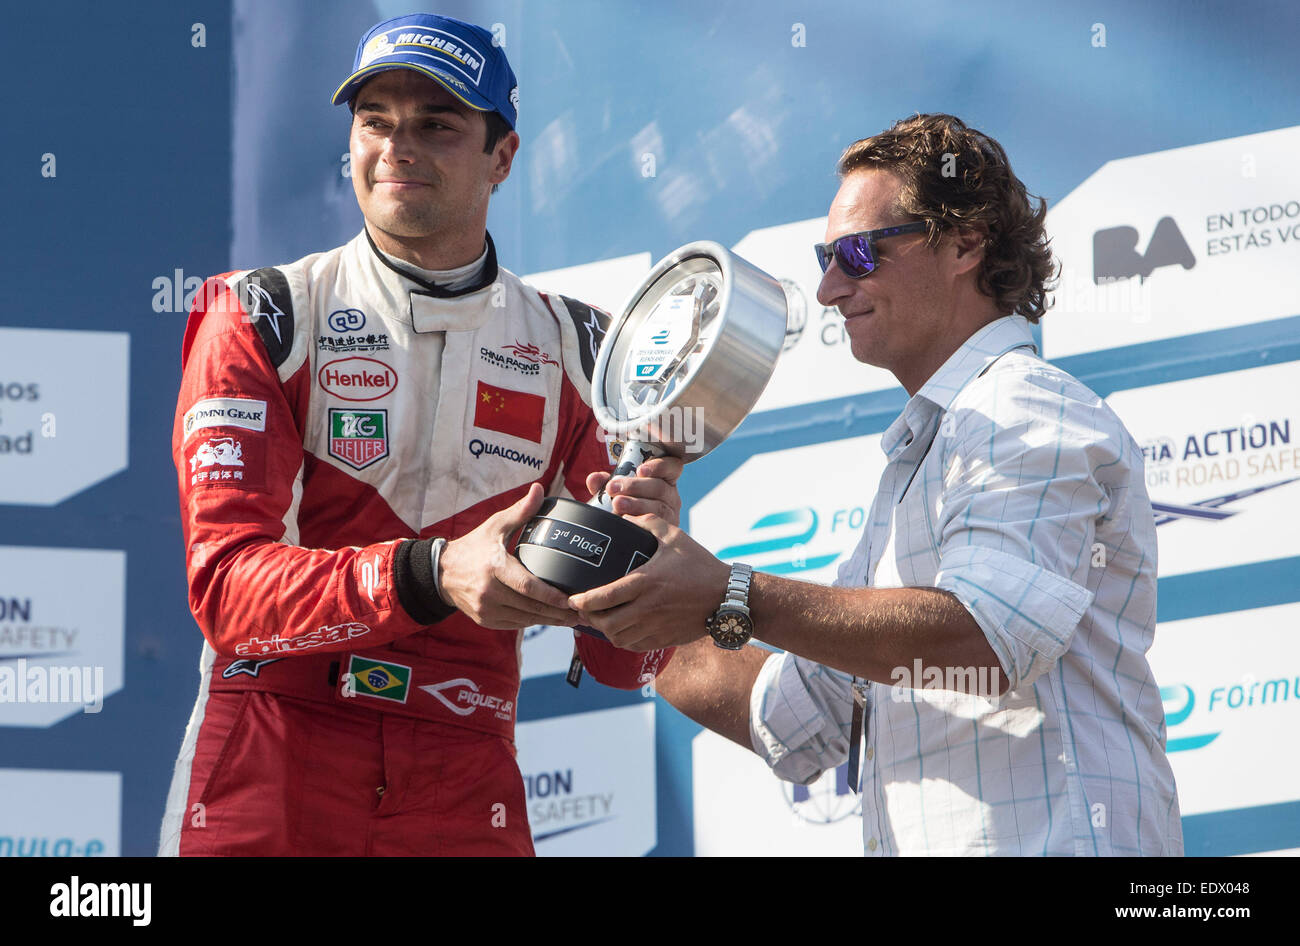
1014 487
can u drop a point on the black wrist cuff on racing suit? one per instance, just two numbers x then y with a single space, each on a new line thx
417 586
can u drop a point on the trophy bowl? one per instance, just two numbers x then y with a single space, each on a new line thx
677 372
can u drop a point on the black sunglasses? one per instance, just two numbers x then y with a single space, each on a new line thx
856 252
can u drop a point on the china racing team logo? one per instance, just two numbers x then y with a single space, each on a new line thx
530 352
358 438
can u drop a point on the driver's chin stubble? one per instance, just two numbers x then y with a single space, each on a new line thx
406 220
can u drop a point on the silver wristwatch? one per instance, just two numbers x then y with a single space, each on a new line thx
731 626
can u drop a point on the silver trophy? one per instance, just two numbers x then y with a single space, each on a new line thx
678 371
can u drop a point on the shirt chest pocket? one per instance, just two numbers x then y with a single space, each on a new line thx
910 556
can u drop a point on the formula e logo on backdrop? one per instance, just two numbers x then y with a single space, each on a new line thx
1115 255
1247 694
346 320
1179 702
785 532
825 801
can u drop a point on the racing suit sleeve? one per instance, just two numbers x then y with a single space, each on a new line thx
588 453
238 448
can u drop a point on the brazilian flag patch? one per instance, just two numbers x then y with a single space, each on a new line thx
384 681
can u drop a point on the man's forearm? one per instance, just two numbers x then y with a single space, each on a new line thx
712 686
870 632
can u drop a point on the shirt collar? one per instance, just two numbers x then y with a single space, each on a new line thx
989 343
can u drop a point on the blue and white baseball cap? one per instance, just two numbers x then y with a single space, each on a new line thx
459 55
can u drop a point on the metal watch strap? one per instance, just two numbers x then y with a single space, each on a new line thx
738 585
736 600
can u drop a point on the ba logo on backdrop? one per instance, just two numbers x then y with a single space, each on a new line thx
1115 254
1215 245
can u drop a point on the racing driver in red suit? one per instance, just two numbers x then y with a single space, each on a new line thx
358 435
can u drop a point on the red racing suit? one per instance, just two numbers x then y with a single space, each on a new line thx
337 414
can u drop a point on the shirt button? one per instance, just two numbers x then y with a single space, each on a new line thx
872 845
870 752
380 791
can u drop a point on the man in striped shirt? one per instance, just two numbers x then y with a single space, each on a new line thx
981 658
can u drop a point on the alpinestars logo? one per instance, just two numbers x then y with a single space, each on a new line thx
250 667
264 307
595 334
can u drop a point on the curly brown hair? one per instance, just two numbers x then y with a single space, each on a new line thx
955 177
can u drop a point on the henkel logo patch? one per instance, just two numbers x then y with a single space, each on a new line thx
358 438
462 696
226 412
357 379
506 411
221 461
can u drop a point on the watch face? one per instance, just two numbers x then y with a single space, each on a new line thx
732 628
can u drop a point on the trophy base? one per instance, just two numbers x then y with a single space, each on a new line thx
575 547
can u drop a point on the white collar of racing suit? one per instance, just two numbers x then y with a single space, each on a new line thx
430 307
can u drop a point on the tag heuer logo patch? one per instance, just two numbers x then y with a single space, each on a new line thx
358 438
381 680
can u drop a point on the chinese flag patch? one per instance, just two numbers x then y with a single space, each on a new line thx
516 413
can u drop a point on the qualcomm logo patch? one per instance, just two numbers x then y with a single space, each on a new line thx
785 535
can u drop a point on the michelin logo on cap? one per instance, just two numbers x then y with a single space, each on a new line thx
465 59
459 55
